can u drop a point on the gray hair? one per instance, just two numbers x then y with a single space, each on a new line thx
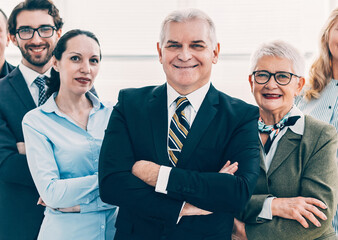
280 49
185 16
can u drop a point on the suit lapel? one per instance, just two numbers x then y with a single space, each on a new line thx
205 115
286 145
262 163
19 85
157 109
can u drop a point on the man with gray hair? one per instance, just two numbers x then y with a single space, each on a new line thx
5 67
165 158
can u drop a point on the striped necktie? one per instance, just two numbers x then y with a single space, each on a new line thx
40 82
178 131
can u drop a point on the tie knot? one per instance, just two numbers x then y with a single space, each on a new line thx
181 103
40 81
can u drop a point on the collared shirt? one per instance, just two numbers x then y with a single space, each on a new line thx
30 75
63 160
195 98
324 108
298 128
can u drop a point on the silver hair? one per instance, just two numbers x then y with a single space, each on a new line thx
186 15
280 49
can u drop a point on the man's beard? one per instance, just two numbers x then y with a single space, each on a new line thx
40 61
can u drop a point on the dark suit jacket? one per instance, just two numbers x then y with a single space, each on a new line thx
302 166
224 129
6 69
20 217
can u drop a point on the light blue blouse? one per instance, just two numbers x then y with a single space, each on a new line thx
63 160
324 108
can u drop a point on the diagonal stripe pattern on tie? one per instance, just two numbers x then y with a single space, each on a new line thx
178 131
40 82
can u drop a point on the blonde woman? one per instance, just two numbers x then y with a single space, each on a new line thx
320 97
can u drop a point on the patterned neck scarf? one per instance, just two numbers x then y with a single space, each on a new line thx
275 129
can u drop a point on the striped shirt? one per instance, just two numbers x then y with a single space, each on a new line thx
324 108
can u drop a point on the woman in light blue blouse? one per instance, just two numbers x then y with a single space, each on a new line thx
320 99
63 139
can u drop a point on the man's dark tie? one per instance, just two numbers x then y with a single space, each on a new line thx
40 81
178 131
289 122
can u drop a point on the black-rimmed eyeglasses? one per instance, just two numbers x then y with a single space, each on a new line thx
282 78
27 33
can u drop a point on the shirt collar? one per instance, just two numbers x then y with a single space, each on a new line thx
298 128
195 98
50 105
30 75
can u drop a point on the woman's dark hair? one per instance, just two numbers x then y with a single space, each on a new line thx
31 5
53 83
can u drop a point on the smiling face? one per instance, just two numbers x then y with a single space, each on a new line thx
272 98
187 55
37 51
79 65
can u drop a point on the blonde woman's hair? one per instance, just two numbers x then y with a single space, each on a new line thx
321 70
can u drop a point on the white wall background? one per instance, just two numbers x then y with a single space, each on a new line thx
128 31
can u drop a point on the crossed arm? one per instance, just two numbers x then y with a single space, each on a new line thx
67 195
310 212
13 165
148 172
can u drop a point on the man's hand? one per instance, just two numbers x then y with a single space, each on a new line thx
146 171
190 210
299 209
229 169
21 148
76 208
238 232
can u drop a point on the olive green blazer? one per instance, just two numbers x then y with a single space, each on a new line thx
302 166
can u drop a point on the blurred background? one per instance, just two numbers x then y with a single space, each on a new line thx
128 31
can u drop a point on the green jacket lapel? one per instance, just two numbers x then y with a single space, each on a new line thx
286 145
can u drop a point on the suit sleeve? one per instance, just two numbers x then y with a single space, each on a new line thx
218 192
319 181
118 186
13 166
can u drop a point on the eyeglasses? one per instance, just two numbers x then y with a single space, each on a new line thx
282 78
28 32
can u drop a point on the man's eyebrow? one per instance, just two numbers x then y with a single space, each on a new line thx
171 41
42 25
198 41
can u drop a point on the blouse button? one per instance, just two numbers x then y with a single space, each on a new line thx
329 107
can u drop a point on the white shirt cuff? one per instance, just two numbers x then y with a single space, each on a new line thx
266 212
179 217
162 179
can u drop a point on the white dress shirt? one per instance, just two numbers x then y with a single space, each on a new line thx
30 75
